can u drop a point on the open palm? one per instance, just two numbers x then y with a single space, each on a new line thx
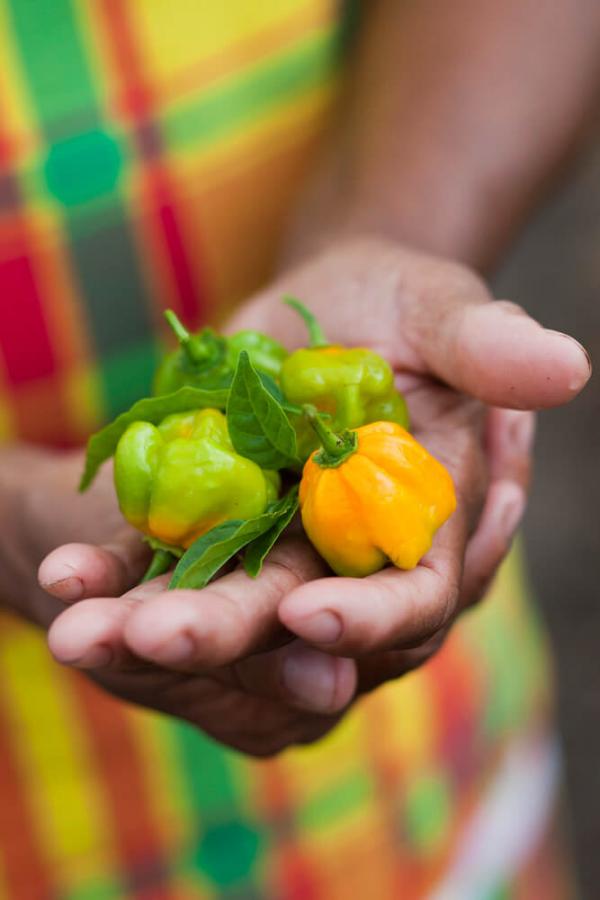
265 663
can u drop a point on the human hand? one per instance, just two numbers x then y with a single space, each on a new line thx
453 352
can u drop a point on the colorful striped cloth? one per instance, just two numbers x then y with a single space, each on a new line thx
149 153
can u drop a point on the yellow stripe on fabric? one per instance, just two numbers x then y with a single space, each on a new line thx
82 389
7 429
174 813
19 122
251 139
411 732
254 94
70 812
176 35
310 769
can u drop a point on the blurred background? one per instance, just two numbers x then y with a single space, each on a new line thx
554 272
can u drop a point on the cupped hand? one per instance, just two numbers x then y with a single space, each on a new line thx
260 664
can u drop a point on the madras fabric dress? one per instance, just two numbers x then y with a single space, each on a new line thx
150 151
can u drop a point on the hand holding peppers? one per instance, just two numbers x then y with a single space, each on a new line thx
205 483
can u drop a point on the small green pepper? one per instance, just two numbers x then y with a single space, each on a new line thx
176 481
354 385
207 359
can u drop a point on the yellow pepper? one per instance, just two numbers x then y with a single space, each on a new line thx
373 495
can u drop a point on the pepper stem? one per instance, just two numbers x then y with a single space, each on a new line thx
195 350
160 563
316 334
335 447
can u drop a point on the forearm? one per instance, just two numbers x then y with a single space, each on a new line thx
455 119
40 508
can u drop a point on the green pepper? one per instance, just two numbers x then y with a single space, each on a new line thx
177 480
354 385
207 359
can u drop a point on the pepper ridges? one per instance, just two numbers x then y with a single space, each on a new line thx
384 501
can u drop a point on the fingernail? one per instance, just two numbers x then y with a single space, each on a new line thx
573 340
177 650
321 628
95 658
521 431
68 589
310 678
511 512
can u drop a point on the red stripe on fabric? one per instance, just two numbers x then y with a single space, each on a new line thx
39 407
182 273
136 835
294 874
454 693
24 339
299 881
138 103
25 871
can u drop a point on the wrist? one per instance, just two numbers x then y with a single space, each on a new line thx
431 206
21 467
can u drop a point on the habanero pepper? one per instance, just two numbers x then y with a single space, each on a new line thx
177 480
372 495
209 359
354 385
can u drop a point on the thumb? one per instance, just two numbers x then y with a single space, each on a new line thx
428 316
497 353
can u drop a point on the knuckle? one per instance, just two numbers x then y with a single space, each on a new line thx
446 608
510 307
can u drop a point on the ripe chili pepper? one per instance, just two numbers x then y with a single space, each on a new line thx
372 495
176 481
354 385
207 358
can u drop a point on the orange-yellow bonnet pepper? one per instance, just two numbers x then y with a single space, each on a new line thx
373 495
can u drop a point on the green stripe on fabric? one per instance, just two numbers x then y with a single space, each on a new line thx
228 848
117 308
208 776
99 889
127 376
332 805
60 83
82 172
242 100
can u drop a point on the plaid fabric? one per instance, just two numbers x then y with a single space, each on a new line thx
138 140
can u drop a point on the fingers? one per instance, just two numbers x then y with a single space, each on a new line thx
92 635
89 634
76 571
495 351
186 630
301 677
391 609
193 630
509 441
509 436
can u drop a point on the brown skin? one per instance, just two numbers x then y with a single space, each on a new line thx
456 119
401 165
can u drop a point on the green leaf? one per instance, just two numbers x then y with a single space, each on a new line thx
258 549
212 550
103 444
258 425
